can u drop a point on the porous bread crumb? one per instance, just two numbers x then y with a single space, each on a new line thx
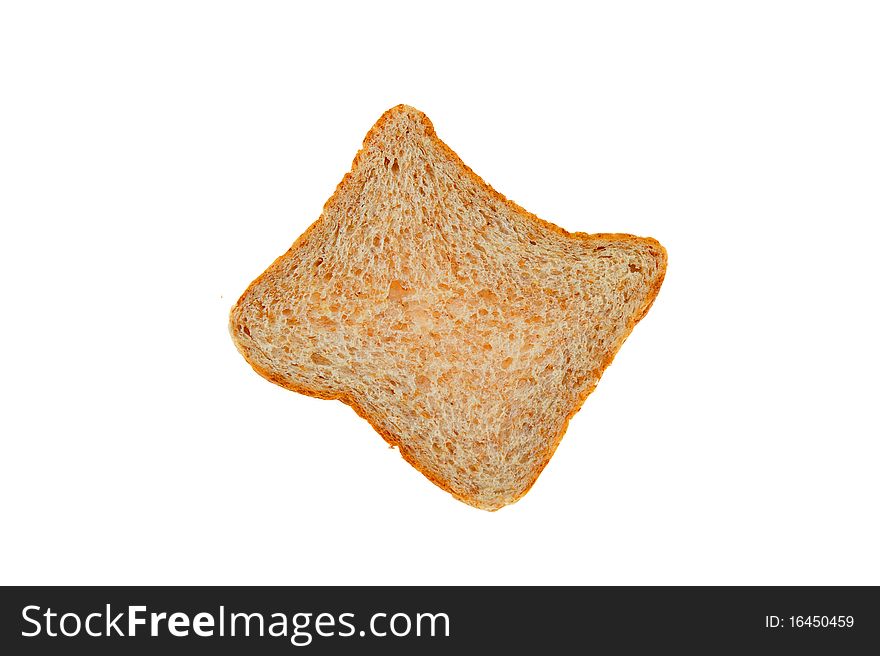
466 330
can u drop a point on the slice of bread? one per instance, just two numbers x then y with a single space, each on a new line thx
466 330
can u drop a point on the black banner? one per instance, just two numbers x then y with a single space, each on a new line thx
436 620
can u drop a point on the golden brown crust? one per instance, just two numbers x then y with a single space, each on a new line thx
360 410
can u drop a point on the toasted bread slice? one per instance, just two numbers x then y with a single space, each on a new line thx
466 330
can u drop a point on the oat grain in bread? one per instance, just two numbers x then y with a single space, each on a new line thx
466 330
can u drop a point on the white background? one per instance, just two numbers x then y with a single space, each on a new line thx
156 157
